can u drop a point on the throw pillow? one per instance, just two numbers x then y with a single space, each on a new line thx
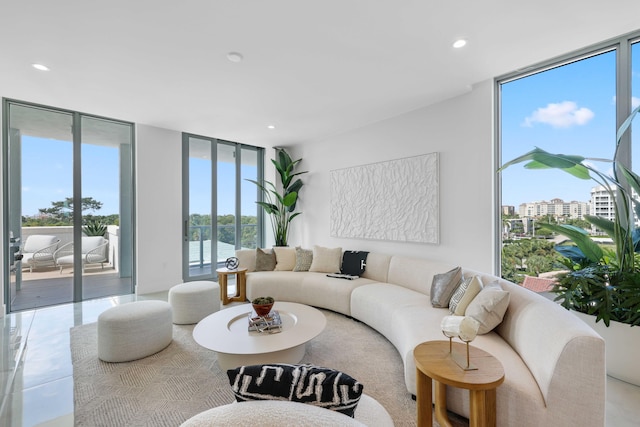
304 258
489 307
354 262
310 384
326 260
465 293
443 285
265 260
285 258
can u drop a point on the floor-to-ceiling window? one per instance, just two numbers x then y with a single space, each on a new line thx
219 210
570 106
69 205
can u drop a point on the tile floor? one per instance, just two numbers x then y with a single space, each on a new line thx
41 393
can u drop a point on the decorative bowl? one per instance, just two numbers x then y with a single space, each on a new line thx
262 309
262 305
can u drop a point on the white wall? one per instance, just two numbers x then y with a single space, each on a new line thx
459 129
158 209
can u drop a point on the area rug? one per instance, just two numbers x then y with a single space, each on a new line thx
184 379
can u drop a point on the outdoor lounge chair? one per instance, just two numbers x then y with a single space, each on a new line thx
38 250
94 251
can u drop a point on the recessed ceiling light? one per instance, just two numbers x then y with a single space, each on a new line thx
234 57
40 67
459 43
271 127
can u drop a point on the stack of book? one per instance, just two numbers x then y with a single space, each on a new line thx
271 322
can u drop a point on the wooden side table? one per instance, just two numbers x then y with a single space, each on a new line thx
433 362
241 285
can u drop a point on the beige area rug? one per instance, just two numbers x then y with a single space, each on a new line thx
184 379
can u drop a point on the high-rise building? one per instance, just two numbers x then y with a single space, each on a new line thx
557 208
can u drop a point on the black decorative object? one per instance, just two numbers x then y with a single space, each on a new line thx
231 263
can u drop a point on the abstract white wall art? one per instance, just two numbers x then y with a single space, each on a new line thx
392 200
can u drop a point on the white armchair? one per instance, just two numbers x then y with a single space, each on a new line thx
38 250
94 251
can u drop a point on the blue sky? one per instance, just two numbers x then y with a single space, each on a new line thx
47 177
47 174
569 110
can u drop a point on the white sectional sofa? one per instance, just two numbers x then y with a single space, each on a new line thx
554 363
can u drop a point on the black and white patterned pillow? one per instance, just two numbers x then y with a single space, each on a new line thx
309 384
354 262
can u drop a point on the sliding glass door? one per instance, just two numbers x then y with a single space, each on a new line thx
219 210
68 210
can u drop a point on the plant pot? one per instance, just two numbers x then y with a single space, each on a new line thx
262 309
622 346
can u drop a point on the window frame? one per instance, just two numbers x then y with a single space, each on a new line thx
622 46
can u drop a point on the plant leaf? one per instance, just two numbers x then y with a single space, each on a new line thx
591 250
540 159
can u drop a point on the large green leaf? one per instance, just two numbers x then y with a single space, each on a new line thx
603 224
540 159
290 199
589 248
269 208
625 125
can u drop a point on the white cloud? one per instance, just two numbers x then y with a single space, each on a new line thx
562 115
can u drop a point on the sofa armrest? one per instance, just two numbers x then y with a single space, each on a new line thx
565 356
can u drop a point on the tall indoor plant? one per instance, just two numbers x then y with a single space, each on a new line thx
281 204
601 283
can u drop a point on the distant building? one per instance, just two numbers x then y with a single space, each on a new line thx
538 284
603 205
508 210
557 208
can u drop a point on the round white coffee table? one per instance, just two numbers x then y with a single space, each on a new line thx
226 332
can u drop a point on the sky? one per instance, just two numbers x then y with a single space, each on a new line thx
47 166
47 177
568 110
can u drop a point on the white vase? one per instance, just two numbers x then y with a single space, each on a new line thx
622 346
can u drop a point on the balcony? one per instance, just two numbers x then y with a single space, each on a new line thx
47 285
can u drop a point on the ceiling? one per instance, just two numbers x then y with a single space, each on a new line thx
312 69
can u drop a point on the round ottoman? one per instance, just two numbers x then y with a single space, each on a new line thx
369 412
193 301
134 330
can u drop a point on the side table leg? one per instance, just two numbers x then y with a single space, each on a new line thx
222 281
478 410
441 405
242 286
423 399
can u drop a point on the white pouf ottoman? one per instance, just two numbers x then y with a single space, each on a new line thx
193 301
134 330
284 413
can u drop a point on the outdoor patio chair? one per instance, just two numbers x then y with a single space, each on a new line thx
94 251
38 250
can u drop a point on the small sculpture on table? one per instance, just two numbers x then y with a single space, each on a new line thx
465 328
232 263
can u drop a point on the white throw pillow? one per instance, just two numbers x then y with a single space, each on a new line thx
465 293
285 258
489 307
326 260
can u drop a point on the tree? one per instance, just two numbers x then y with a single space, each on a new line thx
63 210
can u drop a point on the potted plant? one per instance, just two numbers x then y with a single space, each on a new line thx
602 283
262 305
280 205
94 227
